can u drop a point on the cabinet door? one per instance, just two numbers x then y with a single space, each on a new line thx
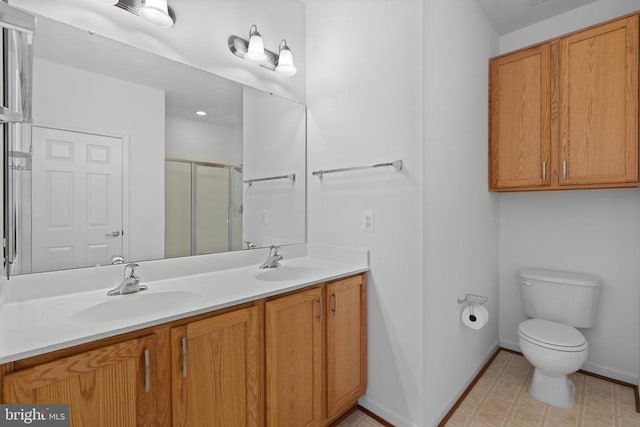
293 339
599 105
346 344
520 119
108 387
216 370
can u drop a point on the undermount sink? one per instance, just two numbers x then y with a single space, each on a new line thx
111 308
284 273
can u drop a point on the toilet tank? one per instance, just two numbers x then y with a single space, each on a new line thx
560 296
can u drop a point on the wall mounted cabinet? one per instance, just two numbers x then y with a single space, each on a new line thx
564 114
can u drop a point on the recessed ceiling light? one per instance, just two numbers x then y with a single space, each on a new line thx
536 2
201 113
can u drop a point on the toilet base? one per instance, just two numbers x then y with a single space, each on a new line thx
556 391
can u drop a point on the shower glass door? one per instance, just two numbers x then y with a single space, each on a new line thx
200 208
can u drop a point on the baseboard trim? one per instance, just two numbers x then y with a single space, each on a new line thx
375 416
468 389
464 394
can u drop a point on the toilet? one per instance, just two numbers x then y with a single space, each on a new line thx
557 302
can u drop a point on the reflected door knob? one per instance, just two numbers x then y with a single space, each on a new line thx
114 234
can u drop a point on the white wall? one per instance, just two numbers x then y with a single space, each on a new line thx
193 139
274 141
593 231
199 37
364 80
590 14
75 99
460 215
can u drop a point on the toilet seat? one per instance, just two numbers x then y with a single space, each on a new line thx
552 335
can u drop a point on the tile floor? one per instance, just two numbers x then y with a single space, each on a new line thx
359 419
500 398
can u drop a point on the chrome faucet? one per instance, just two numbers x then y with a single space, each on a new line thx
130 282
273 260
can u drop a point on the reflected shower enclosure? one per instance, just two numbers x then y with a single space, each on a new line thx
203 208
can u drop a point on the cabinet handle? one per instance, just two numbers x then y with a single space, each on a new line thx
334 302
147 371
564 170
184 357
320 312
544 171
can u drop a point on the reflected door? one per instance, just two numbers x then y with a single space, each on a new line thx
76 199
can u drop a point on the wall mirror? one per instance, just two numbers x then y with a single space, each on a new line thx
137 156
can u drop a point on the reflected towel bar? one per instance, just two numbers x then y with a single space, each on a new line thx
292 177
397 164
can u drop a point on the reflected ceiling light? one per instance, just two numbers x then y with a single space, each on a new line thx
201 113
254 51
157 12
109 2
285 60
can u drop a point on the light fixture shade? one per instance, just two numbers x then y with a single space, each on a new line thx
157 12
255 51
285 61
109 2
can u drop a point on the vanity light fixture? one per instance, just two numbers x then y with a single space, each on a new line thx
156 12
285 60
254 51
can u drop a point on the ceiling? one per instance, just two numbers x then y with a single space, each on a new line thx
510 15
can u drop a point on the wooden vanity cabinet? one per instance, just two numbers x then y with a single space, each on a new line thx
564 114
292 360
316 353
216 368
293 338
107 387
346 370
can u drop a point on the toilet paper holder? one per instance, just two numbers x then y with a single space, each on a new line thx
472 299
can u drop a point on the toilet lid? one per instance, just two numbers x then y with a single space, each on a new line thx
557 336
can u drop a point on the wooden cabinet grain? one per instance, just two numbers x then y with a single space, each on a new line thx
346 370
564 114
293 353
110 386
520 150
216 371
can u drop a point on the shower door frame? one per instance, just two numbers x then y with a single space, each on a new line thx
229 169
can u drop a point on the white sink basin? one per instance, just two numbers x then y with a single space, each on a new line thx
97 309
284 273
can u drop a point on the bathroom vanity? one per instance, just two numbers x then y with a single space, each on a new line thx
278 347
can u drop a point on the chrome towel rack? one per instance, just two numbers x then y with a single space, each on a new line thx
292 177
396 164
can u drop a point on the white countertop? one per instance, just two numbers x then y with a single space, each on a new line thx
39 325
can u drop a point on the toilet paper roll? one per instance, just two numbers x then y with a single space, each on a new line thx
475 317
